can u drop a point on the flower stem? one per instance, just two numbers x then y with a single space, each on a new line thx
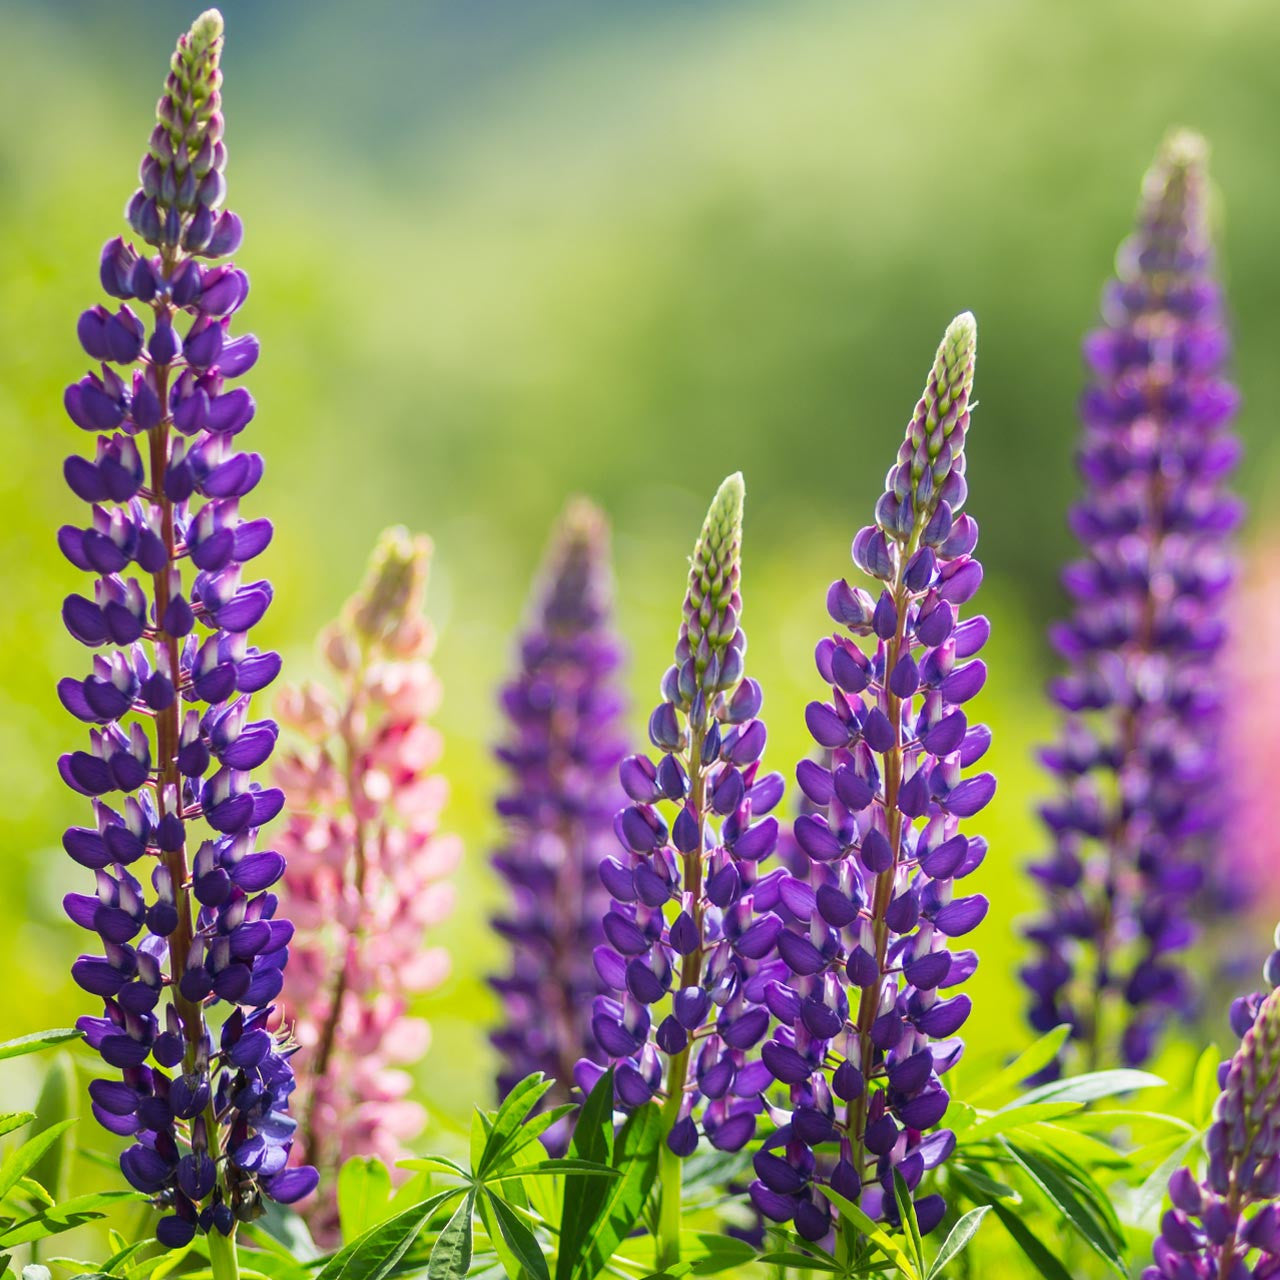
670 1189
224 1259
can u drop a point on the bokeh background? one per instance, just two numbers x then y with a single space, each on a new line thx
507 250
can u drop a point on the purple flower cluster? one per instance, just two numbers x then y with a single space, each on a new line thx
868 1008
1137 762
168 699
562 751
1227 1226
690 923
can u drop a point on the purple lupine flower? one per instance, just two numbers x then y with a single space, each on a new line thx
1138 759
168 699
1226 1226
868 1009
688 928
562 749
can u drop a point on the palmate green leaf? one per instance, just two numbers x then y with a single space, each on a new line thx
1092 1086
548 1168
36 1041
592 1142
1150 1196
907 1212
364 1195
714 1253
1110 1120
635 1156
510 1117
980 1186
957 1239
1026 1064
874 1233
451 1253
1046 1263
19 1162
434 1164
1204 1086
1088 1210
794 1261
529 1133
14 1120
53 1106
1015 1117
375 1254
517 1236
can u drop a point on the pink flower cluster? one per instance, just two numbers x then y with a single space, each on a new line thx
367 871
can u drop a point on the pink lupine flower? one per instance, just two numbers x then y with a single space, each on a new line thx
368 874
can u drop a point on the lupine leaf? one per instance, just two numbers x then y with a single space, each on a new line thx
1204 1087
546 1168
375 1254
1150 1196
434 1164
964 1231
1027 1063
1088 1216
592 1141
1016 1117
1045 1261
52 1106
1091 1086
720 1252
874 1233
364 1194
510 1117
907 1212
635 1157
14 1120
19 1162
519 1238
802 1261
529 1132
36 1041
451 1253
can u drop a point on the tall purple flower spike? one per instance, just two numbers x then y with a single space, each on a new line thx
1137 762
1226 1226
691 921
562 748
868 1010
168 699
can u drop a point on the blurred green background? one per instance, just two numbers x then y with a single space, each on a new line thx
506 250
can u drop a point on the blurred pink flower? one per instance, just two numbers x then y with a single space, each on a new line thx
1251 848
367 872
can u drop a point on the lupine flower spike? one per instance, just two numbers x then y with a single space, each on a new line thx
868 1008
168 699
561 749
367 866
1137 763
691 923
1226 1226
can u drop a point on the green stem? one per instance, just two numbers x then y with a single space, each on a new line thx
670 1178
224 1260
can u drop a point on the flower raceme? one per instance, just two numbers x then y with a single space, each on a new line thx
562 748
691 924
867 1007
1138 760
366 871
1226 1226
168 699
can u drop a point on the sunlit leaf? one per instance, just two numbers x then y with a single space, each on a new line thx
451 1253
1025 1065
964 1231
36 1041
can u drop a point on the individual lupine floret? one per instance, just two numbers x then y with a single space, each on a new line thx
1138 760
692 922
1226 1226
168 697
366 880
562 747
868 1008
